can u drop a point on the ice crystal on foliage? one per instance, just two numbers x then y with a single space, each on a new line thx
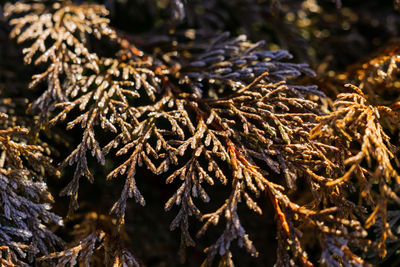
236 62
25 202
205 111
60 32
95 232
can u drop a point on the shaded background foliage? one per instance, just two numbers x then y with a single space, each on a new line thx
343 42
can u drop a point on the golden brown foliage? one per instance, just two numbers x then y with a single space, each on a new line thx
356 123
25 214
95 235
220 120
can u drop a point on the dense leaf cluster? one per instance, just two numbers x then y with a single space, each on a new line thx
198 108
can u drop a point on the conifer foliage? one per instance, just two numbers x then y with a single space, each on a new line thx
163 101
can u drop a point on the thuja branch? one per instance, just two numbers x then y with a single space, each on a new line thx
199 109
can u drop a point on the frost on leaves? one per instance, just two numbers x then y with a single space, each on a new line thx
236 62
58 32
25 202
215 111
110 107
97 242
